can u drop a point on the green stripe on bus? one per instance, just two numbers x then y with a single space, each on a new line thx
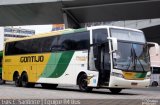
140 75
51 65
57 64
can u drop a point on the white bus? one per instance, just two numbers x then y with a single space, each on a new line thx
155 63
95 57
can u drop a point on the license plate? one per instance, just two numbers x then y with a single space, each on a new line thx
134 83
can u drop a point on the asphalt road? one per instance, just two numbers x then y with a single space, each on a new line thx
126 97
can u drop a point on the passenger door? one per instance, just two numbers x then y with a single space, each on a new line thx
99 57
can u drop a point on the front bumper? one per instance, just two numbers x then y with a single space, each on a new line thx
117 82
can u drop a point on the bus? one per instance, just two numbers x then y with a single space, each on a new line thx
1 56
108 57
154 51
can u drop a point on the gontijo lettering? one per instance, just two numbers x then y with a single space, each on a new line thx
32 59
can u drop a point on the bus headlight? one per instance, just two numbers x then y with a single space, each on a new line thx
117 75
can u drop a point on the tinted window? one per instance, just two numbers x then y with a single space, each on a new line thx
100 35
46 44
65 42
34 45
9 48
82 40
73 41
23 47
54 46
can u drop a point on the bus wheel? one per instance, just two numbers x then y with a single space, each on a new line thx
49 86
17 80
155 83
82 82
115 90
24 79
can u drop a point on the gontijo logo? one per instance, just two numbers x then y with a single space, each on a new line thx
32 59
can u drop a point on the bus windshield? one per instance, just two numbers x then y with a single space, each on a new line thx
128 35
155 70
131 57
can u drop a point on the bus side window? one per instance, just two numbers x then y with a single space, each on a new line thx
35 46
99 36
10 48
45 44
74 41
82 40
54 44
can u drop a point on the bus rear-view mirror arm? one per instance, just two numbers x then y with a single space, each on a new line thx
114 43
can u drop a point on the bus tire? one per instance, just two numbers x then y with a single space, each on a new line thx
155 83
115 90
24 79
49 86
17 80
82 82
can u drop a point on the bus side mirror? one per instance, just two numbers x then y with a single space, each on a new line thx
114 43
156 46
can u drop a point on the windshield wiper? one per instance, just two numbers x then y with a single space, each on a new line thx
137 58
132 59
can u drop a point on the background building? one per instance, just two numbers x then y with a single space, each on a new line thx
10 32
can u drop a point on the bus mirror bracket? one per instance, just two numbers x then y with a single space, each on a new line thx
114 43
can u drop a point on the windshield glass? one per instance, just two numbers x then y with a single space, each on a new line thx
131 57
128 35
